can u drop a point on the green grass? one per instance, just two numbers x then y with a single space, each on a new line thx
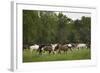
76 54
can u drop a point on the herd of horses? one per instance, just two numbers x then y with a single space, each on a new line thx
56 48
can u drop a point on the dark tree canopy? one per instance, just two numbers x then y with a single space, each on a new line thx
44 27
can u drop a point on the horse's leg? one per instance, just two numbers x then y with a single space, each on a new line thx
59 51
66 51
40 52
31 51
49 51
37 50
53 52
78 48
70 48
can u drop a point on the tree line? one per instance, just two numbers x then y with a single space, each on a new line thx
44 27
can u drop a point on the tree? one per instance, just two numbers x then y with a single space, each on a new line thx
46 27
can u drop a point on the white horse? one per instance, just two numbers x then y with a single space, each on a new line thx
81 45
53 48
34 47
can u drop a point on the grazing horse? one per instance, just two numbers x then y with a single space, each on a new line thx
81 45
60 48
34 47
45 48
53 48
48 48
40 49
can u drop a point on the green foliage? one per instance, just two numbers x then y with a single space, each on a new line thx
48 27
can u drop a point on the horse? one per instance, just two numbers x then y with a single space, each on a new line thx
59 48
53 48
81 45
69 46
48 48
40 49
34 47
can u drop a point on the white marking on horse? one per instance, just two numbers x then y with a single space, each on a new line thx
34 47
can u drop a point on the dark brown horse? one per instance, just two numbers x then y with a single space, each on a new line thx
59 48
45 48
40 49
48 48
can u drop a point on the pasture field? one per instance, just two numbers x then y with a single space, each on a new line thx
81 54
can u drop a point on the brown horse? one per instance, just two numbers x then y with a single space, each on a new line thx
45 48
48 48
59 48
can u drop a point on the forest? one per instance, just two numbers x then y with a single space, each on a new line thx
46 27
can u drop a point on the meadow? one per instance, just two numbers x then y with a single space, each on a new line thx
81 54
